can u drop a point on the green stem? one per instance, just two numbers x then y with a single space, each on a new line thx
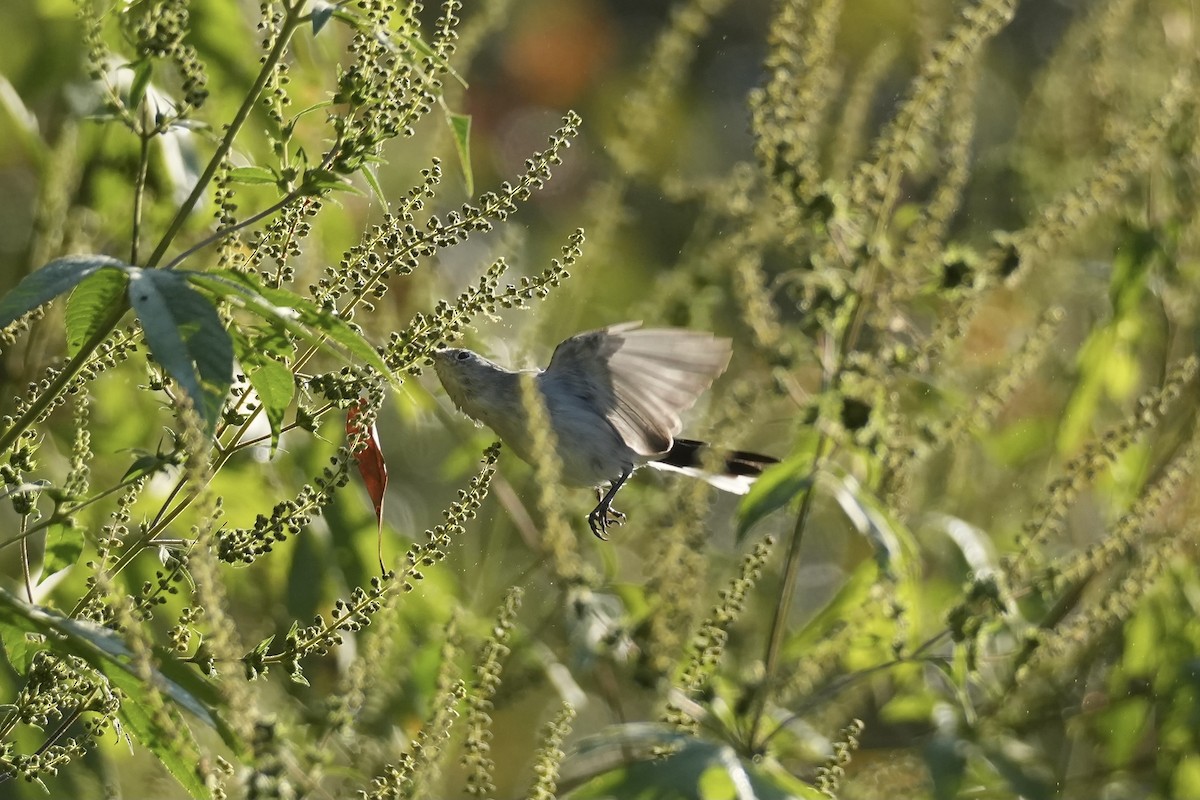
60 381
291 22
166 517
25 563
139 196
846 342
216 236
59 515
72 367
791 572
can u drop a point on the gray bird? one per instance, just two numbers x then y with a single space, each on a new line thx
613 398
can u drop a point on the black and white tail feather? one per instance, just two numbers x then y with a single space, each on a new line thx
740 468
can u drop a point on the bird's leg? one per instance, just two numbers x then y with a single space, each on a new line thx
614 517
599 519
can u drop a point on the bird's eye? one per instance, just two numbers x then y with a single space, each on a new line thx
463 355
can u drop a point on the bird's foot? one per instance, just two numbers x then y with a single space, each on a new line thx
601 517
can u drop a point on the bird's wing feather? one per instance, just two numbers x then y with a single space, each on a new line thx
652 376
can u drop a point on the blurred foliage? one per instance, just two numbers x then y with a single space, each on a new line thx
955 244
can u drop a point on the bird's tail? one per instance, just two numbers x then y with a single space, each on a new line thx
738 470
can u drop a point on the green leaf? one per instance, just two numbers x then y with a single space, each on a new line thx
1137 252
1185 778
460 129
186 337
1107 363
297 675
373 181
322 12
870 518
143 71
253 175
275 385
64 545
262 647
20 645
972 542
254 343
89 304
1127 723
299 316
149 463
854 591
1023 768
316 181
45 284
775 488
619 762
173 745
106 652
22 125
946 760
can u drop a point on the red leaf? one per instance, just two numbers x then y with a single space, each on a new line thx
373 469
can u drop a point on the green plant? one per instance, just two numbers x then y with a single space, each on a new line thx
194 323
970 573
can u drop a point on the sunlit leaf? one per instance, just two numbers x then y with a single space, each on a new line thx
185 335
321 12
43 285
64 546
298 315
460 130
253 175
275 386
90 303
779 485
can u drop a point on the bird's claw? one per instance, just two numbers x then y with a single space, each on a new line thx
601 517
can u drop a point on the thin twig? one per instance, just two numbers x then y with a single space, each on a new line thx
139 182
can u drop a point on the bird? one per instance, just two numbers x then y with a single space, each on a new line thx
613 398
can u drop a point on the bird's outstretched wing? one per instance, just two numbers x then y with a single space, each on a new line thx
641 379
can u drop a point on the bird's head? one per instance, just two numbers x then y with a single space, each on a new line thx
468 378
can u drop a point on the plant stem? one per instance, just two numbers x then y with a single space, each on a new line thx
291 22
60 514
25 562
216 236
791 571
846 343
139 186
56 384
